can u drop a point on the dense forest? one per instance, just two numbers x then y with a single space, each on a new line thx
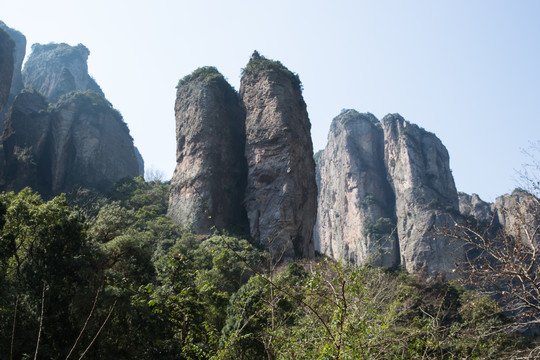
95 276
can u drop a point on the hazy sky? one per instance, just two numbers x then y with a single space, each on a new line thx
468 71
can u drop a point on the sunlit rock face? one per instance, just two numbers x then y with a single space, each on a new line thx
518 214
281 194
355 214
474 207
207 188
426 197
56 69
81 141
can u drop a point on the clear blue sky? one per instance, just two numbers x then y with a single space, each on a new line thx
466 70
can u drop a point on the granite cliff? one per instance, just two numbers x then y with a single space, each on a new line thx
281 194
56 69
355 213
513 214
208 185
426 197
81 141
61 133
246 159
16 80
7 47
384 187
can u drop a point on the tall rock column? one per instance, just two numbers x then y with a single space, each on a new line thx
281 194
19 41
211 171
355 213
12 50
7 47
426 197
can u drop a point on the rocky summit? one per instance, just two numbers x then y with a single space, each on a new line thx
355 213
281 195
207 188
56 69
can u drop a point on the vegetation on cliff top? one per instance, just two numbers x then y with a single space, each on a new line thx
206 73
259 63
58 52
89 101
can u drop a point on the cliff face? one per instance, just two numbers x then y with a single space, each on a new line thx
519 215
385 189
281 195
7 47
211 171
426 196
355 216
18 57
78 141
26 148
56 69
473 206
81 142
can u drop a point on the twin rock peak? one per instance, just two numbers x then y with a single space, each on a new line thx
245 161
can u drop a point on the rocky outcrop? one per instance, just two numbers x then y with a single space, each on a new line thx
80 142
18 57
209 181
6 66
140 161
355 217
12 51
474 207
26 144
519 215
281 194
426 197
56 69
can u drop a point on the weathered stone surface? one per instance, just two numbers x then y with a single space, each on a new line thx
7 47
81 142
140 161
56 69
355 217
426 197
211 171
18 57
281 195
519 215
473 206
26 144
